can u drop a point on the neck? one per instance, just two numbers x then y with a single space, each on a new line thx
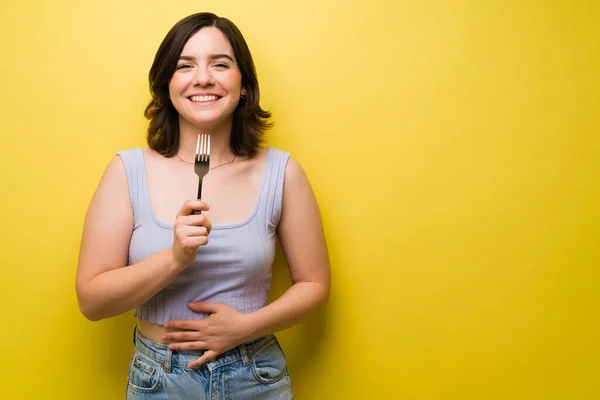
220 150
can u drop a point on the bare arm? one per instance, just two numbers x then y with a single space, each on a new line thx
104 287
303 242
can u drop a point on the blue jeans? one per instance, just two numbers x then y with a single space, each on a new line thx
253 370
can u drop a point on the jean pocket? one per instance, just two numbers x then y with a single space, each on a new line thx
268 363
144 374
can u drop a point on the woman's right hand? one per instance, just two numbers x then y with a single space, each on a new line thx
191 231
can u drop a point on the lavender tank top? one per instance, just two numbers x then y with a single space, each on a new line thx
234 268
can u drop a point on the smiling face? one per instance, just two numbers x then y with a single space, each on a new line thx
206 86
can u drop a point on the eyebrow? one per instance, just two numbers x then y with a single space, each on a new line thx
212 57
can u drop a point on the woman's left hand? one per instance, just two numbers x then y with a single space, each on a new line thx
222 330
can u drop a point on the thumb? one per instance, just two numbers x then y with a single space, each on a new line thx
203 306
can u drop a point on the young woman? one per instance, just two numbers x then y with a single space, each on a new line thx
199 282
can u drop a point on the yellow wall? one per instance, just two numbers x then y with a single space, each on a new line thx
454 150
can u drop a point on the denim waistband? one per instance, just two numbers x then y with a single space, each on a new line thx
180 358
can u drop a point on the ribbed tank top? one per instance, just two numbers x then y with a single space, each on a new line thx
234 268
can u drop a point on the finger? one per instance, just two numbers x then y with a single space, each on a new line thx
185 324
185 336
198 345
207 224
207 356
191 243
193 231
194 220
192 205
185 221
203 306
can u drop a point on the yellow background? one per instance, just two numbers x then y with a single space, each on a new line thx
453 147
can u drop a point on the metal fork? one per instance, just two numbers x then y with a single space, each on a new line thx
202 161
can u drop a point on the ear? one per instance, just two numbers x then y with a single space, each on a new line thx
243 92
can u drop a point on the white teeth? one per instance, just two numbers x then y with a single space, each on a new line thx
200 99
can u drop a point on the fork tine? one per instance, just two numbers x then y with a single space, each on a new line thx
198 147
202 144
204 148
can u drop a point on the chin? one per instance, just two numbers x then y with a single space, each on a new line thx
208 123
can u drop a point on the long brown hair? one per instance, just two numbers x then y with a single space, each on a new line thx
250 121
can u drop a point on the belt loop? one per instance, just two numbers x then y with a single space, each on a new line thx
168 357
244 353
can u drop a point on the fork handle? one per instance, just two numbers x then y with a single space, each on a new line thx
196 212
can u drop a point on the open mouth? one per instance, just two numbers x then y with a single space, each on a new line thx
204 99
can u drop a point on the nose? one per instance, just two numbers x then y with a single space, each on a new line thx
203 76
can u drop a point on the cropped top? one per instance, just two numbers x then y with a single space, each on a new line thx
234 268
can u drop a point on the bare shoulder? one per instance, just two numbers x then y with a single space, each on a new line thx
298 196
295 179
114 172
294 171
112 193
